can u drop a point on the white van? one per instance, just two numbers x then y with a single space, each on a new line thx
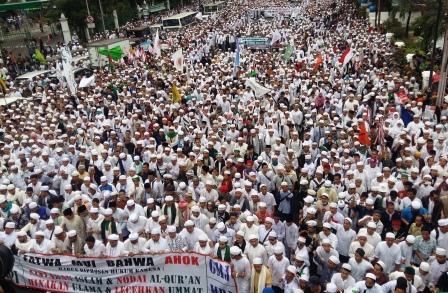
22 79
179 20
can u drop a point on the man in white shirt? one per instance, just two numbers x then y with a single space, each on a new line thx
277 264
290 281
359 265
191 234
22 243
343 280
39 244
8 237
94 247
241 269
400 283
135 244
255 249
157 244
203 245
345 236
94 223
373 238
389 253
368 249
114 247
369 285
136 224
438 266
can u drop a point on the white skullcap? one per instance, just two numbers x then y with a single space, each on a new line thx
410 239
10 225
113 237
71 233
390 235
440 251
155 231
253 236
34 216
347 267
171 229
39 233
371 276
235 250
424 266
334 259
257 261
189 223
372 225
278 249
221 226
203 237
291 269
58 230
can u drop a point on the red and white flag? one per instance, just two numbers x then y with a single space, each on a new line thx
156 49
178 60
346 57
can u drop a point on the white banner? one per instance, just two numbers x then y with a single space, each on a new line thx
258 89
161 273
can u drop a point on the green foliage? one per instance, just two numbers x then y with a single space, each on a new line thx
425 24
392 25
76 12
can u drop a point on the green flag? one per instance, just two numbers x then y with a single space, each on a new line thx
288 52
39 57
115 53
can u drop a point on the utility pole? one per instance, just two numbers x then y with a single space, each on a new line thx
88 9
102 15
443 70
433 53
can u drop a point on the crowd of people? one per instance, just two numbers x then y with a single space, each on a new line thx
332 178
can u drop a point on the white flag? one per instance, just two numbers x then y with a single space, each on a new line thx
67 70
156 48
87 81
258 89
198 15
276 36
178 60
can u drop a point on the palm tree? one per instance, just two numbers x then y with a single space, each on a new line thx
425 25
405 10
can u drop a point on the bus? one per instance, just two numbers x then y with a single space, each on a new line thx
214 7
179 20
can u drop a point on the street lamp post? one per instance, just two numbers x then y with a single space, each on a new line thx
102 14
139 11
434 48
145 10
443 71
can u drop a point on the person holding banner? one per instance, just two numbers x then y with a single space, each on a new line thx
135 244
94 247
241 270
114 247
157 244
39 244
